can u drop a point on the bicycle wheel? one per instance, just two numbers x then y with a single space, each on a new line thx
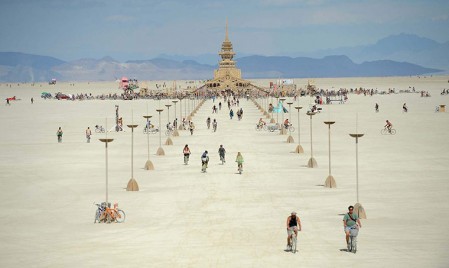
167 133
97 216
292 129
109 217
294 241
383 131
393 131
265 127
354 244
120 216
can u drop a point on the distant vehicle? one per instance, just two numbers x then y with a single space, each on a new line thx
52 82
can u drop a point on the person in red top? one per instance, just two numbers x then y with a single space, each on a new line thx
186 152
389 125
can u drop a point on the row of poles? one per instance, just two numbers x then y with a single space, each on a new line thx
330 180
132 183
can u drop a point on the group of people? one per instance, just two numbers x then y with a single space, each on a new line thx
205 157
214 124
350 221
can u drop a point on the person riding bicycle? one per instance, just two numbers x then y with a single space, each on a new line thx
214 125
261 123
208 122
221 153
349 220
376 107
389 125
286 124
239 160
169 126
204 161
186 152
293 225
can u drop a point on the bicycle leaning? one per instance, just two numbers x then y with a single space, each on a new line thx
107 214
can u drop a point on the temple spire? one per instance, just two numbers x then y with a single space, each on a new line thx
226 37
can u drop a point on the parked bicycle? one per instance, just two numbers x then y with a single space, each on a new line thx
107 214
387 131
99 129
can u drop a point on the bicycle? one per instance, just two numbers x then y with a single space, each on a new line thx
215 127
261 127
107 214
186 159
240 168
168 132
99 129
352 245
294 242
151 130
290 128
222 159
387 131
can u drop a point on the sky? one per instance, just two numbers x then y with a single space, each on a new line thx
144 29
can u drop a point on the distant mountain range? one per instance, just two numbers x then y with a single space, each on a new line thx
385 58
402 47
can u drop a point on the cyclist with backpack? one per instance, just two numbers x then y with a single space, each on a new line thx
204 161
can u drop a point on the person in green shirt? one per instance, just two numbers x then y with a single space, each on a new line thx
349 220
239 160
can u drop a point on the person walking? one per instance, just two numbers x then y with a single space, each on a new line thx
88 134
32 100
239 160
221 153
59 134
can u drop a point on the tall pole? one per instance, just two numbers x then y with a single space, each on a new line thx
290 138
299 148
160 151
148 164
312 162
169 140
175 128
132 184
106 141
358 207
282 132
330 181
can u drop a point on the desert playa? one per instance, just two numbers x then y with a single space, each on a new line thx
184 218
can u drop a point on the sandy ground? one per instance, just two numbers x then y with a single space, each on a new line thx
184 218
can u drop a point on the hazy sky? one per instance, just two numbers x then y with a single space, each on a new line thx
142 29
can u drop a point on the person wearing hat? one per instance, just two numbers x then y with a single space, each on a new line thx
293 225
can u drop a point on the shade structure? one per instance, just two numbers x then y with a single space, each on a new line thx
132 185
